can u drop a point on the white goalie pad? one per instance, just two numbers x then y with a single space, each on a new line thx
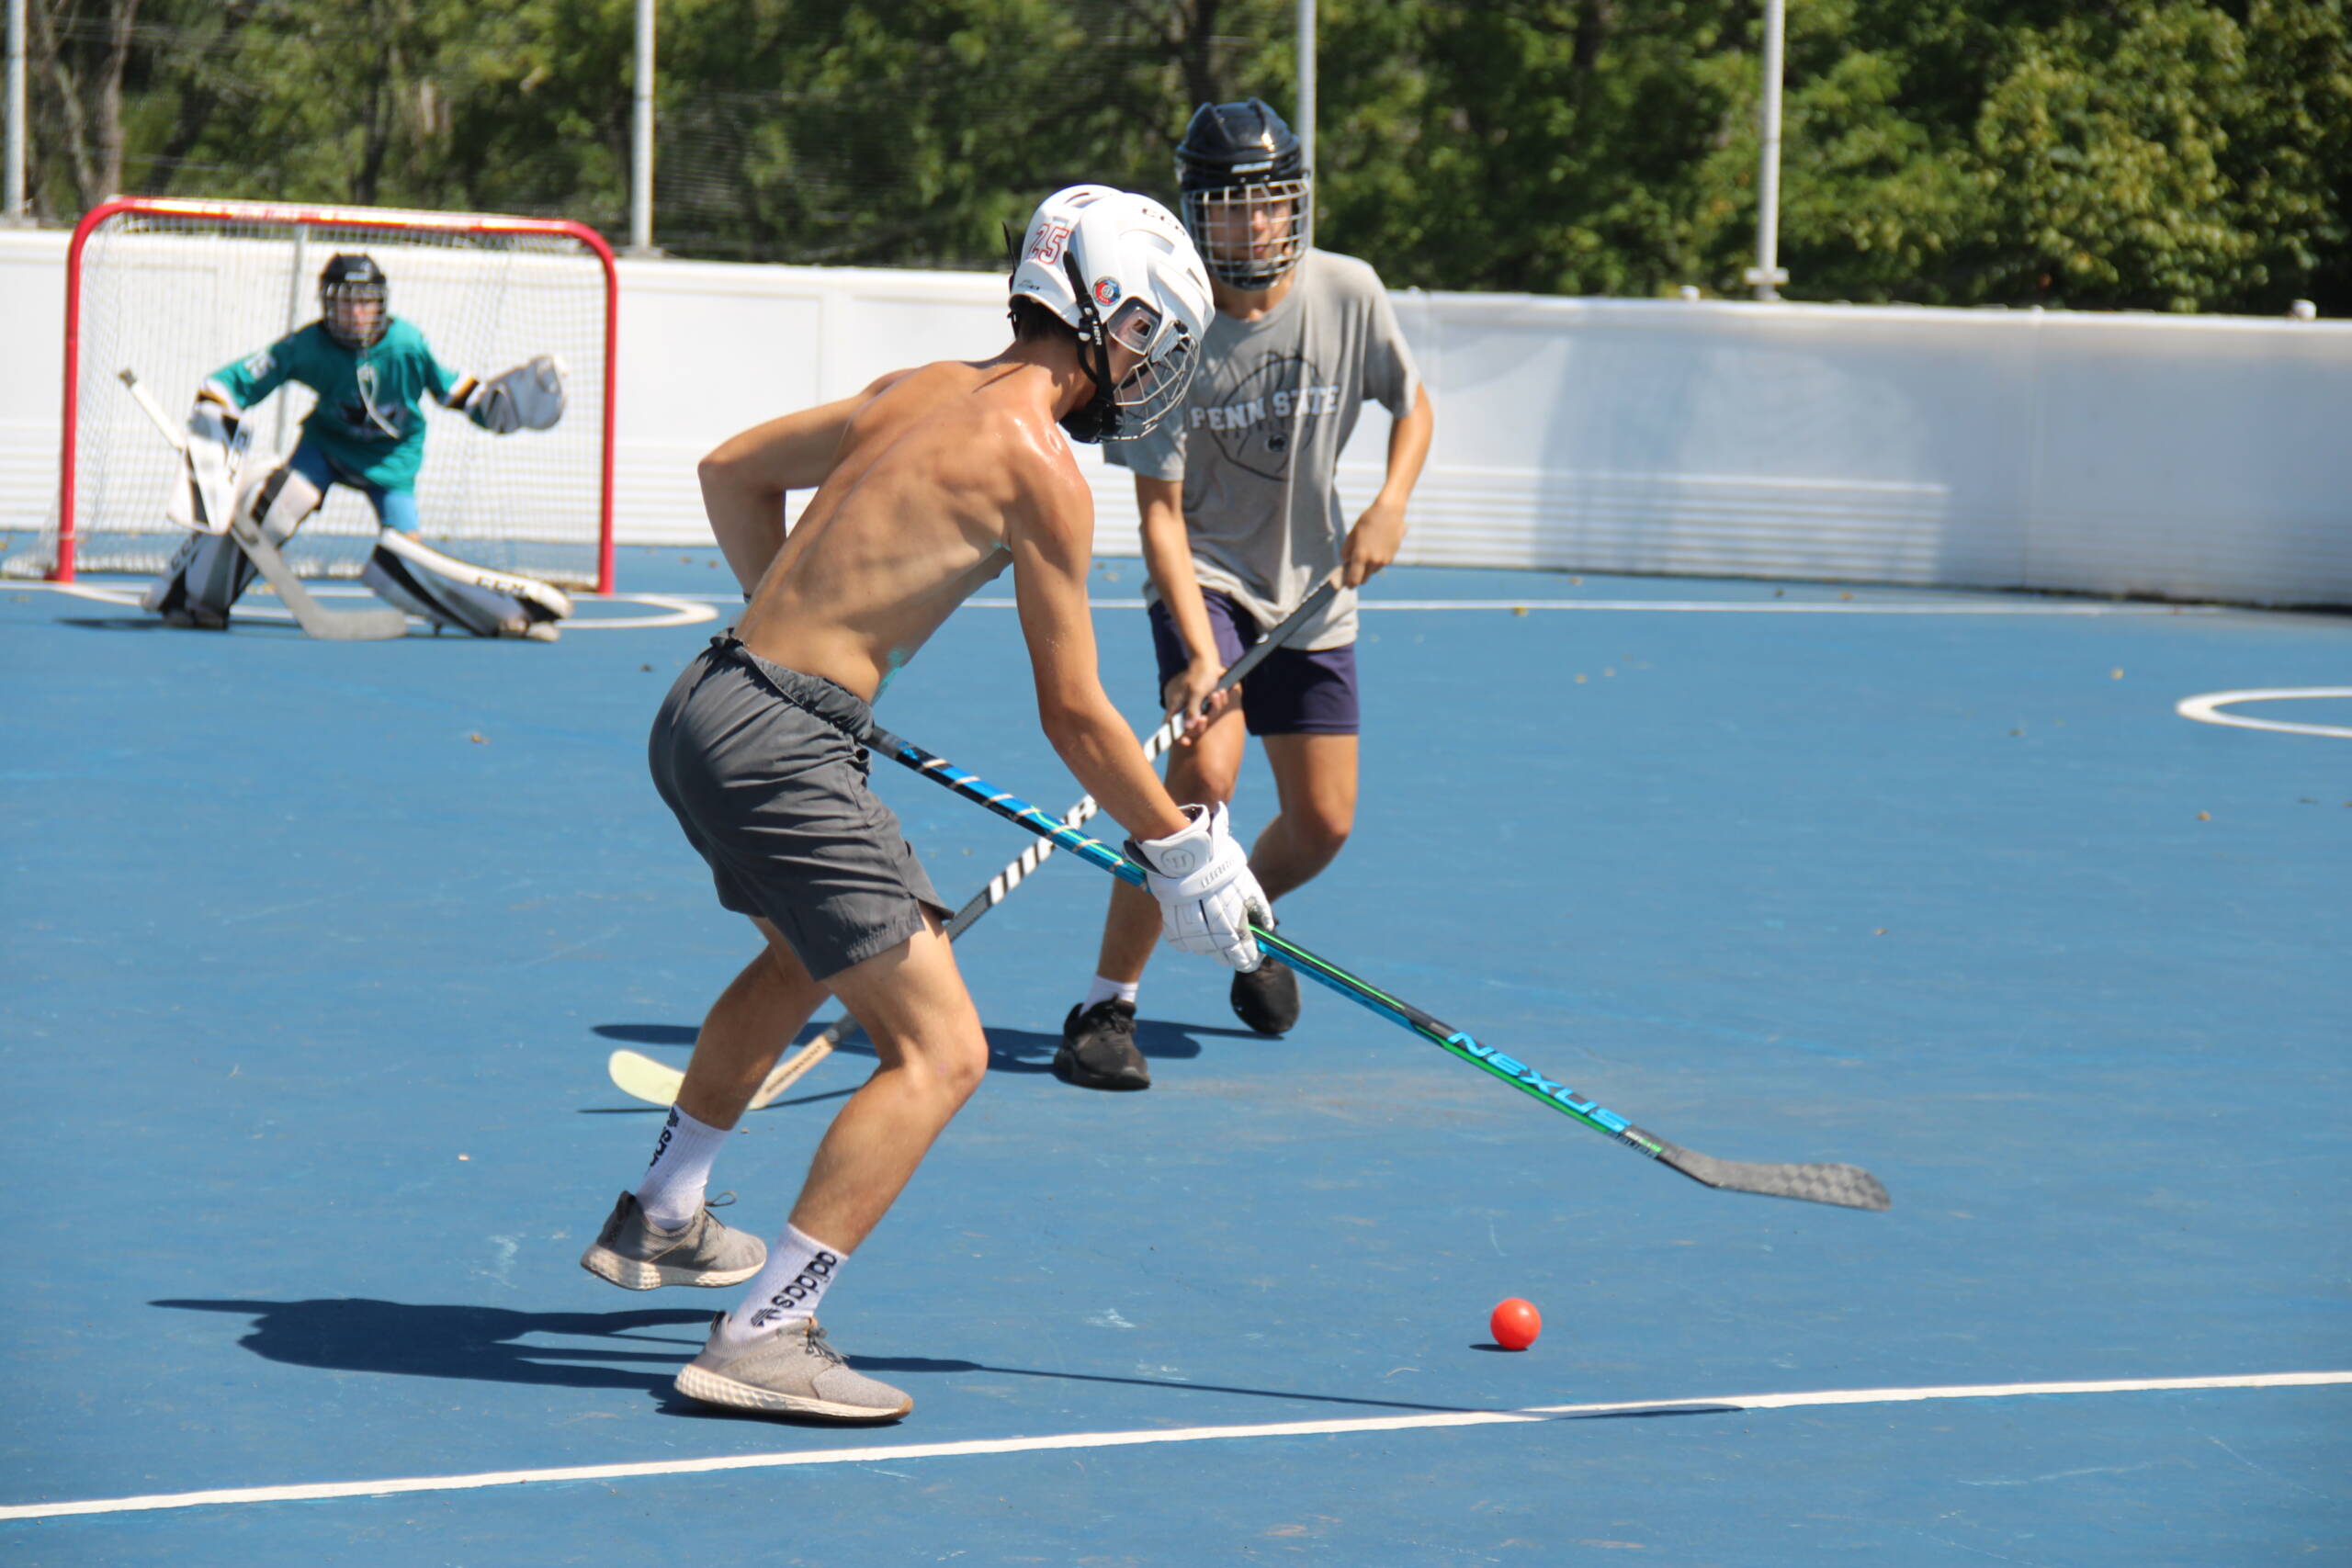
209 574
528 396
447 591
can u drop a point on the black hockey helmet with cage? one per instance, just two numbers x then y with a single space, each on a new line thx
1234 158
350 277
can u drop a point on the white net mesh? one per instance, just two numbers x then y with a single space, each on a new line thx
177 295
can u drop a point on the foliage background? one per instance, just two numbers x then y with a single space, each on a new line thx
2162 154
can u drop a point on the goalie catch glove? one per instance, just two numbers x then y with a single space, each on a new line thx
528 396
1207 896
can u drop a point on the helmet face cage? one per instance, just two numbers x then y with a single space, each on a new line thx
1251 235
1145 394
347 286
1248 196
1135 402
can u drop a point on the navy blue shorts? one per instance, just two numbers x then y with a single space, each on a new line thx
1292 693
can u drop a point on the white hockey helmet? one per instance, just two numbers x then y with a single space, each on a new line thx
1118 267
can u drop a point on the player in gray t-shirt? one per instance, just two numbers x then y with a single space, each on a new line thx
1240 521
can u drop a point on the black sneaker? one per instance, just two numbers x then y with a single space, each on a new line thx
1266 998
1098 1048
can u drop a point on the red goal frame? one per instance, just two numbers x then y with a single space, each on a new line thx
386 218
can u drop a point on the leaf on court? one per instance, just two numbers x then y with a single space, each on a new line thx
1880 931
1580 682
2204 817
478 737
1519 609
645 667
2115 674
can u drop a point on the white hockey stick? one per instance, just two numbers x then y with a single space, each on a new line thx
221 511
641 1077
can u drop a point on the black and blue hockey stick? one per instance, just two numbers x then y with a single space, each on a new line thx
1846 1186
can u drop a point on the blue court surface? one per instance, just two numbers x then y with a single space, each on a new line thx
317 952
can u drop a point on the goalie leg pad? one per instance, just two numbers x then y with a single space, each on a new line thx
209 574
451 593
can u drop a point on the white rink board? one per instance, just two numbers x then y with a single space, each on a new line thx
2193 458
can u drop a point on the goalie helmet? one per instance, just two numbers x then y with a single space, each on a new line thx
348 285
1118 269
1247 193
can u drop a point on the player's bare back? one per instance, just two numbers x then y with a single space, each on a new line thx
933 473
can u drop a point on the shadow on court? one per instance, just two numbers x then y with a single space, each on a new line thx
121 623
1010 1050
470 1342
483 1345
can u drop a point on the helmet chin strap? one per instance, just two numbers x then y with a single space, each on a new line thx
1097 419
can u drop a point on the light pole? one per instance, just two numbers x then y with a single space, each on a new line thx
1768 275
12 187
640 163
1305 124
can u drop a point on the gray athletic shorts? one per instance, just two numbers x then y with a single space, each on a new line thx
766 770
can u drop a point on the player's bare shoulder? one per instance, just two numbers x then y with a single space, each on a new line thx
1041 464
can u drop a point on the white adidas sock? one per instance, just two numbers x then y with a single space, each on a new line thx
1105 990
670 1191
799 1268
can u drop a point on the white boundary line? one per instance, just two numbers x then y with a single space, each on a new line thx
1698 606
2207 709
893 1452
679 602
683 609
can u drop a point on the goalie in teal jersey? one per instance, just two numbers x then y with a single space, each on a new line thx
372 371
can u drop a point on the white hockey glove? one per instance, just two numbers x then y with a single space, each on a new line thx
1207 897
528 396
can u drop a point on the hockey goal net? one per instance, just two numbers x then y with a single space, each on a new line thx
176 290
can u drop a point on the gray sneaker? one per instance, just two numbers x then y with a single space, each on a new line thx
634 1255
789 1373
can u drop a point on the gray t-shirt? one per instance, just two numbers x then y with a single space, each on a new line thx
1260 433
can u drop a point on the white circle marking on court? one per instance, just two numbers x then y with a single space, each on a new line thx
2207 709
682 613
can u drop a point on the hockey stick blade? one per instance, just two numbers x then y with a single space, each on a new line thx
1845 1186
641 1077
657 1083
316 620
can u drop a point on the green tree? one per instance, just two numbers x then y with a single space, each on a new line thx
2179 154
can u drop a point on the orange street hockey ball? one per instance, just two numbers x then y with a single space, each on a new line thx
1515 1324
